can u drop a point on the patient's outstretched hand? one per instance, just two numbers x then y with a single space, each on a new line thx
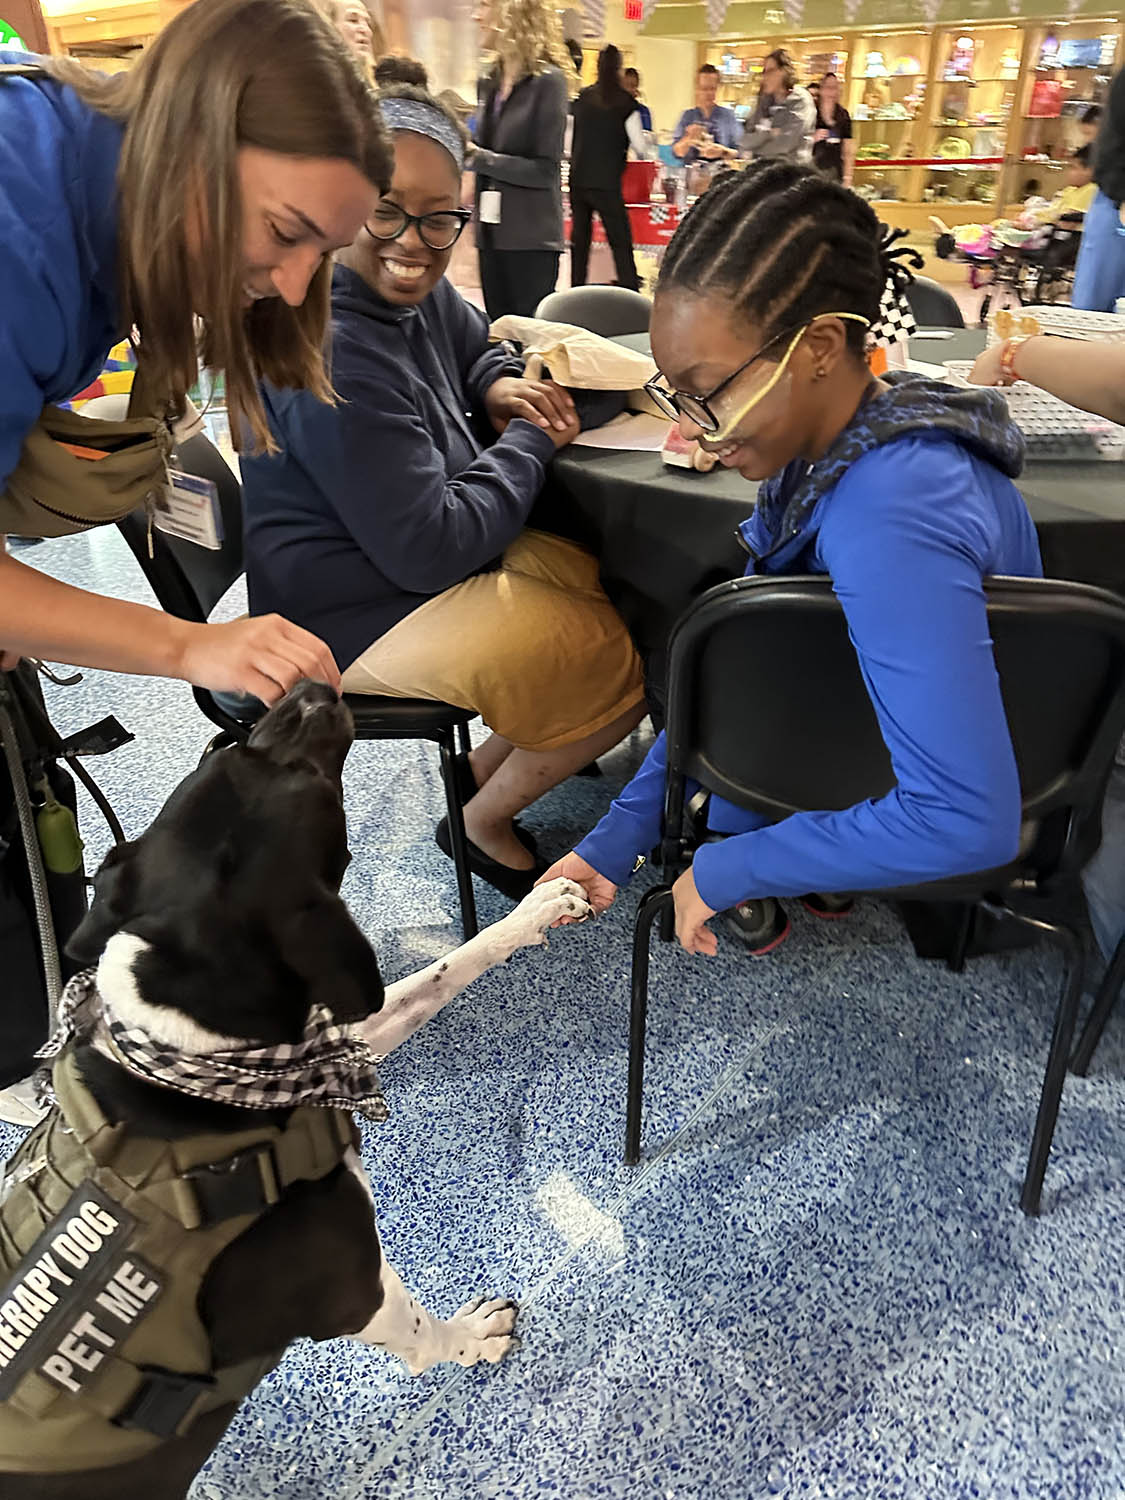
599 891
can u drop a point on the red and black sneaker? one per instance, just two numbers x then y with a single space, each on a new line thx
828 908
761 926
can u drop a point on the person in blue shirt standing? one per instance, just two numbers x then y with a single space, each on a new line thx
202 190
1099 276
900 489
709 131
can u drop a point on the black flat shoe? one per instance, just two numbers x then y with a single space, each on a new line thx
466 787
515 884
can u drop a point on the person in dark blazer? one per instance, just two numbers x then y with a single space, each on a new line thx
606 123
521 126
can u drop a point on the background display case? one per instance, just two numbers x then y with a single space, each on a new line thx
962 121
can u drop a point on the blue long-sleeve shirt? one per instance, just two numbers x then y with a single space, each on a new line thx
722 125
386 499
59 314
907 533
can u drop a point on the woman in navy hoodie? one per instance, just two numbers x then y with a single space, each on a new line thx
200 191
900 489
392 524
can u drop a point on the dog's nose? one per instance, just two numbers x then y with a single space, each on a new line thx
309 695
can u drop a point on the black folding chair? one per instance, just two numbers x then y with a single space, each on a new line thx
608 310
189 580
1050 273
932 305
1060 654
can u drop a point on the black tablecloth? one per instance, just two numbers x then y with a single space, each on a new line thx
665 535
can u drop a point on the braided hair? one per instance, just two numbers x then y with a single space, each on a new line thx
785 242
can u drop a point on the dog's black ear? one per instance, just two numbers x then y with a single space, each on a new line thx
115 901
322 944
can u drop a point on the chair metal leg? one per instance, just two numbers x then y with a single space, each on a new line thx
667 930
658 900
457 840
1062 1039
1104 1001
464 739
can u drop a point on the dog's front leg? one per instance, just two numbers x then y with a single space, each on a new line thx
409 1003
482 1329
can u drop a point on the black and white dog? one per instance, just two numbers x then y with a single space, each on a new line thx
222 927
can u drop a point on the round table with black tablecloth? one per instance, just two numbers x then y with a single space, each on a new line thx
664 535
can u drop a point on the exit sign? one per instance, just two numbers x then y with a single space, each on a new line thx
634 10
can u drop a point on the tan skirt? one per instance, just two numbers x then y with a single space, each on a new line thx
535 648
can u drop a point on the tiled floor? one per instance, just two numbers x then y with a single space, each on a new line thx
817 1283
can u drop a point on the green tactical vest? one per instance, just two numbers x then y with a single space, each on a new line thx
105 1239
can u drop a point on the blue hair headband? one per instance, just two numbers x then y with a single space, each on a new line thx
424 119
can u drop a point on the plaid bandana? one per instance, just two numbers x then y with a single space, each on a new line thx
329 1067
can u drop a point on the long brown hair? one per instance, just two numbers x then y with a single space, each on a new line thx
224 74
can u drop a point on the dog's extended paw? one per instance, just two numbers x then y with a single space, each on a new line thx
542 907
483 1329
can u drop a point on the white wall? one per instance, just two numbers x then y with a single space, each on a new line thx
667 70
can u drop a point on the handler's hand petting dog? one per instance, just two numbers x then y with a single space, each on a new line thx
194 1200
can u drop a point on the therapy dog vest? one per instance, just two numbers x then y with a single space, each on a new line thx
106 1237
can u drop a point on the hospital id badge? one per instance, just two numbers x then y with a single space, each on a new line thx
490 206
189 509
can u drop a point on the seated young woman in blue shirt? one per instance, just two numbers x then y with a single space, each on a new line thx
393 523
900 489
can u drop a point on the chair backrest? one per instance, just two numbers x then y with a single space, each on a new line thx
768 709
189 580
1061 249
932 305
608 310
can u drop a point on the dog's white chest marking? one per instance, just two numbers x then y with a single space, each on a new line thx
118 987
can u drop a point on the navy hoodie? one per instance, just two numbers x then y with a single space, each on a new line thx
909 511
390 497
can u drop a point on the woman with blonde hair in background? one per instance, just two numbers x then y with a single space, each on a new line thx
521 125
204 189
356 25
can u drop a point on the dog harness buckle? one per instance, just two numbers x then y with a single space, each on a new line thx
242 1184
165 1403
